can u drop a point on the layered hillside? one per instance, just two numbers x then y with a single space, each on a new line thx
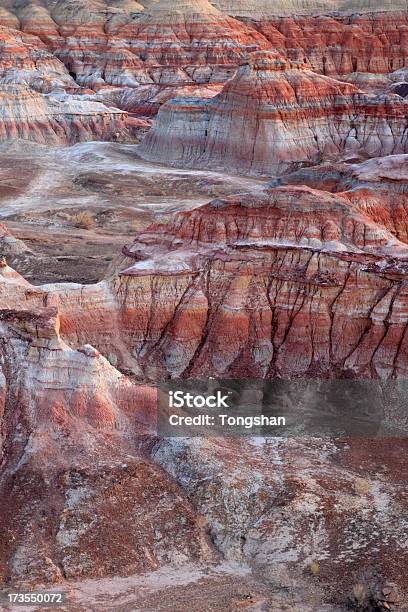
286 303
41 102
275 115
266 8
362 42
137 56
88 490
259 232
192 35
59 119
377 188
70 424
148 54
261 284
24 59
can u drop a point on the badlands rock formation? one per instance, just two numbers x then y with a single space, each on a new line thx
333 45
275 115
69 460
193 36
377 188
25 60
78 451
255 9
39 99
302 277
261 285
139 56
58 119
284 504
168 47
275 289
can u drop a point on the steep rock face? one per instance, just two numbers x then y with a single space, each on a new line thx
269 284
160 50
193 36
167 47
333 45
87 490
293 216
69 459
262 312
274 116
256 286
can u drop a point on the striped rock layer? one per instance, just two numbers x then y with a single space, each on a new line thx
275 115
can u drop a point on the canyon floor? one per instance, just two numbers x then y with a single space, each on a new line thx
43 188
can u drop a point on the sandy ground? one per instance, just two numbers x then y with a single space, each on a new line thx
227 586
42 190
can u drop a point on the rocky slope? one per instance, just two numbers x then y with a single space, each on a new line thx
252 285
302 277
333 45
59 119
69 459
148 54
25 60
300 511
41 102
377 188
85 482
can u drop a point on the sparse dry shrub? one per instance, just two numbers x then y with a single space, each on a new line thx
361 486
314 568
361 599
83 220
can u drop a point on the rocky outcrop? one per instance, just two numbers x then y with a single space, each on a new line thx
191 41
87 490
9 245
170 46
332 37
41 101
162 48
70 464
260 286
268 311
58 119
273 116
298 511
377 188
295 216
25 60
332 45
